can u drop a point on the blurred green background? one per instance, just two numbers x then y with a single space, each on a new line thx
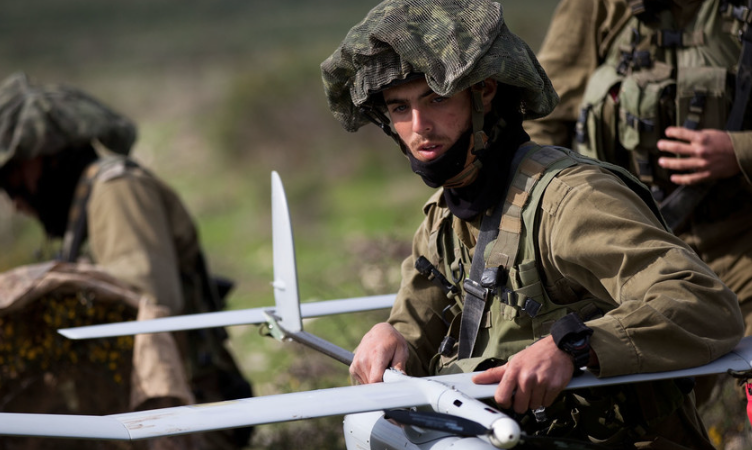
224 92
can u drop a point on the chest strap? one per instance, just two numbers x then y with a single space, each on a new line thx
505 226
475 294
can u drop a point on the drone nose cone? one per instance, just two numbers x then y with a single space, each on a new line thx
505 433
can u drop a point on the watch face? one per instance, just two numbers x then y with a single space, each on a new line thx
579 343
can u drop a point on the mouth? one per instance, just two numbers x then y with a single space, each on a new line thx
429 151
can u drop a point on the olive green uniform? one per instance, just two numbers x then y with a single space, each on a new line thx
594 240
579 37
597 240
140 232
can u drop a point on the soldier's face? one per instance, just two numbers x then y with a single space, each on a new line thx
40 192
427 123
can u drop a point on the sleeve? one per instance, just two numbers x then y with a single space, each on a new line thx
129 237
742 142
417 311
671 311
570 53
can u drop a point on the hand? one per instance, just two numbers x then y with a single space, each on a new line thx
382 347
708 155
533 378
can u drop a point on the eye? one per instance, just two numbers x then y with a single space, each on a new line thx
397 109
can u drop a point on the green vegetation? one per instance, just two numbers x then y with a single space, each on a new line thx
224 92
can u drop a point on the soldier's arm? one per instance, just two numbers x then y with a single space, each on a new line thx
671 311
569 55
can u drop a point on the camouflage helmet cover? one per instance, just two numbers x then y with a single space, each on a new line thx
45 119
454 43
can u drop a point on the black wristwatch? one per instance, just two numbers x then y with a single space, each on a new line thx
573 336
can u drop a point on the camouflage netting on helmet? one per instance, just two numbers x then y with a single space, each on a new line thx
455 44
45 119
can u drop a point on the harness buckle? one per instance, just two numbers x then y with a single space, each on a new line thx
477 290
670 38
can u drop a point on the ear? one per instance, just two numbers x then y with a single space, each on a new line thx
489 92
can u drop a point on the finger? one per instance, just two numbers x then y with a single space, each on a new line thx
521 401
489 376
400 356
537 398
675 147
376 372
505 392
691 178
681 133
355 375
681 163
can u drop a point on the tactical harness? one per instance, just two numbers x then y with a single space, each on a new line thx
656 75
501 306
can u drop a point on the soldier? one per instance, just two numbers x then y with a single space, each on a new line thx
63 160
650 85
531 261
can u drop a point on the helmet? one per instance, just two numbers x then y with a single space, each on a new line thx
45 119
453 44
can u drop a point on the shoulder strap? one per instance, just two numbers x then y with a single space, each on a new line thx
475 294
77 229
504 225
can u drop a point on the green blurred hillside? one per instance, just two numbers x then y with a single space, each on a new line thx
224 92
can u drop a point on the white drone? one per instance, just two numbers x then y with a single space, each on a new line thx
383 415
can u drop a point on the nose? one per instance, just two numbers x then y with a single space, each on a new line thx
421 121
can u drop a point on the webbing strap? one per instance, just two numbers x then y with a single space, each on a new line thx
504 250
75 232
505 225
475 296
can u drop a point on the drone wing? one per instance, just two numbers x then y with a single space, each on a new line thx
403 392
288 310
227 318
400 391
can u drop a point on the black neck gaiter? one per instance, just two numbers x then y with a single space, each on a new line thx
486 191
56 188
437 172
